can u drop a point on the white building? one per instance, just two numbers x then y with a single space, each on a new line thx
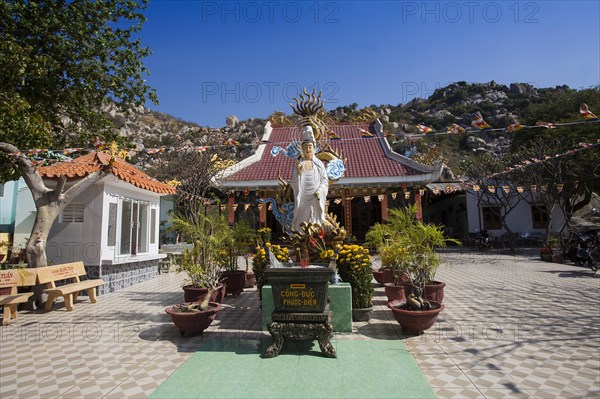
113 226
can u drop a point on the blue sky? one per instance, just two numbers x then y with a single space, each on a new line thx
249 58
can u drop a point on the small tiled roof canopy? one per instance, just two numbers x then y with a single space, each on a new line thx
365 155
94 161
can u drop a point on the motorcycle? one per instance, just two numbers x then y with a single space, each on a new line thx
585 250
483 240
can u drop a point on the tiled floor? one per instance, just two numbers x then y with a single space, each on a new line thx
513 327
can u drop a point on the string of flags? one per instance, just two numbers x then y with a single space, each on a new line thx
480 124
477 122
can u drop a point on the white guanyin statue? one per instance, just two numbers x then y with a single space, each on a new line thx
310 184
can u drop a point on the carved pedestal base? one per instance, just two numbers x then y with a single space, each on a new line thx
301 326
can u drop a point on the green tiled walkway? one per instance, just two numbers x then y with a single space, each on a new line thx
234 369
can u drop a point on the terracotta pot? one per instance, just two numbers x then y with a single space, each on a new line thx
394 292
378 276
250 280
361 314
415 321
432 292
546 257
235 281
194 322
195 294
388 276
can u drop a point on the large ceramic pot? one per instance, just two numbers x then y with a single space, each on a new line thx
361 314
250 280
234 280
394 292
194 322
415 321
195 294
378 276
432 292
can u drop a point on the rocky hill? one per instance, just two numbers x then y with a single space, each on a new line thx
498 104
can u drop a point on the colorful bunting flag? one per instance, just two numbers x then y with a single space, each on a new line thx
337 201
367 199
479 122
231 142
547 125
492 189
332 135
533 188
364 134
506 189
421 191
515 127
520 189
476 187
424 129
559 187
99 143
455 129
380 197
407 195
586 113
435 191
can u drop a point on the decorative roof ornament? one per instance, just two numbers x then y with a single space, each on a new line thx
309 108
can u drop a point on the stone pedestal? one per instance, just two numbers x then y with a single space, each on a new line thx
300 326
340 304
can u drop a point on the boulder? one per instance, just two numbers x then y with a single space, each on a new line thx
231 121
475 142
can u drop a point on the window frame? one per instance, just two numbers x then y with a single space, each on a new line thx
488 222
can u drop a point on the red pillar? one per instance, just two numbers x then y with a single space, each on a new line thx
418 203
384 208
230 208
262 216
347 212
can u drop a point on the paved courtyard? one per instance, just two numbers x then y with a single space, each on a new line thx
514 327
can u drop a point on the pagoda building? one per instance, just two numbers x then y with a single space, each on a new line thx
376 178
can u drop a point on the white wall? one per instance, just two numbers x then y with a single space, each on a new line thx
114 190
519 219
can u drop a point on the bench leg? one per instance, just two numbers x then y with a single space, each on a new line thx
68 301
13 310
92 294
6 316
75 295
51 298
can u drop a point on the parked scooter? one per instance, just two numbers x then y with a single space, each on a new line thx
584 249
588 253
483 240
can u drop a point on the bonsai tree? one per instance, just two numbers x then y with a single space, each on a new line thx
211 236
409 245
202 271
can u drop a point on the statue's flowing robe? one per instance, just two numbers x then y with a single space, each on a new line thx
307 207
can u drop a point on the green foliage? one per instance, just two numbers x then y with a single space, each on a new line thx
60 62
354 266
213 239
408 245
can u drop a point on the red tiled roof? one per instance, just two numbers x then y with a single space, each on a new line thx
364 157
94 161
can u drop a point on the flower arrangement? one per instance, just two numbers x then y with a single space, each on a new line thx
260 262
546 251
354 267
263 236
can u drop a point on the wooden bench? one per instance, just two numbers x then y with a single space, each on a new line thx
69 271
12 279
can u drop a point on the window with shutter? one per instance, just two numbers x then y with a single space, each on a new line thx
73 213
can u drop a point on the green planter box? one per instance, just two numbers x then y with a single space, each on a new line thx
340 304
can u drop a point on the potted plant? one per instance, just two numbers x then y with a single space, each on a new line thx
193 317
354 267
260 262
201 263
396 258
236 241
416 244
546 253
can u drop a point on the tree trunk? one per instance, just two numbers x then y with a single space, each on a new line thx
36 246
